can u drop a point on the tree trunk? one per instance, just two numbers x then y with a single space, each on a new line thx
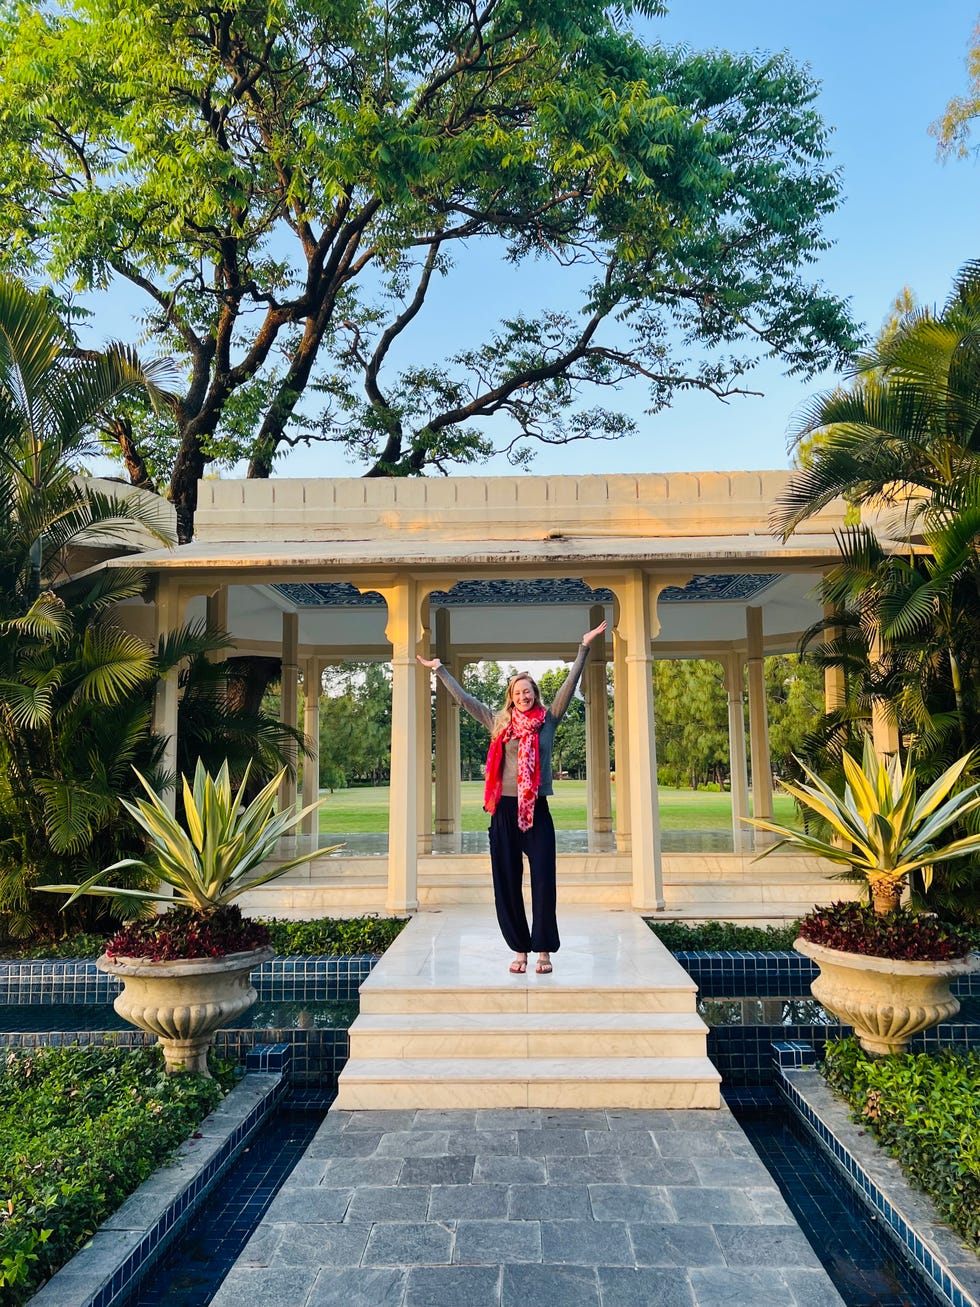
886 896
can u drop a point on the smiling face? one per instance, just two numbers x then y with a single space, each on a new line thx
524 694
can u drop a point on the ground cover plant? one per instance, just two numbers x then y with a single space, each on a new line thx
723 936
925 1109
80 1129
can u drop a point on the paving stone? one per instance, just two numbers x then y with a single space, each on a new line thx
735 1286
716 1206
352 1143
658 1170
494 1242
483 1143
508 1118
351 1287
382 1120
623 1286
697 1119
454 1201
308 1171
811 1288
417 1143
765 1245
770 1206
322 1245
279 1287
673 1244
303 1206
550 1202
629 1202
568 1118
448 1118
348 1172
496 1169
408 1243
628 1143
389 1203
607 1169
685 1143
586 1243
641 1118
552 1142
437 1170
453 1286
738 1172
548 1286
333 1123
261 1247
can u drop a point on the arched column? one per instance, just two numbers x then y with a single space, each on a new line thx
312 686
758 724
448 792
733 667
596 694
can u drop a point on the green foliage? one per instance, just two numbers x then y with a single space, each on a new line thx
884 830
286 184
335 937
355 724
925 1110
212 855
723 936
80 1129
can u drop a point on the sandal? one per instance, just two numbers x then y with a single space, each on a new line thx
544 967
519 966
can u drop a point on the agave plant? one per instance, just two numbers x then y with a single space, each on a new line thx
216 858
884 832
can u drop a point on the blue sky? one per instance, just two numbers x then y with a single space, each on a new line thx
887 70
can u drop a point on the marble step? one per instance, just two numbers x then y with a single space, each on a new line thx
530 1034
521 997
602 1082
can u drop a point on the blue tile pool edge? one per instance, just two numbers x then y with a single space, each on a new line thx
129 1242
908 1216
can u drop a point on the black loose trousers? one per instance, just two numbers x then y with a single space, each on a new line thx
508 845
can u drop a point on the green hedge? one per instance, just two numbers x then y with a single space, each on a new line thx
332 936
925 1109
718 936
80 1129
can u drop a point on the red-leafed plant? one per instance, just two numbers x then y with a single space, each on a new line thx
901 935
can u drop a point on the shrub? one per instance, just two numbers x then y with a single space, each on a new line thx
903 935
723 936
80 1129
184 933
925 1109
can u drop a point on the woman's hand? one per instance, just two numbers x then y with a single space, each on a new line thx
591 635
433 664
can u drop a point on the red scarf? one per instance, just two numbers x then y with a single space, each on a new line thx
525 726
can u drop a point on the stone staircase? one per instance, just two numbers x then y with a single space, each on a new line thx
443 1024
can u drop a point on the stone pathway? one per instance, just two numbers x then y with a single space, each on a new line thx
500 1207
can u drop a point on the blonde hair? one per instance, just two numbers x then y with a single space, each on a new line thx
502 719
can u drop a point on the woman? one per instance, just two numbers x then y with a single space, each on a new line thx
518 779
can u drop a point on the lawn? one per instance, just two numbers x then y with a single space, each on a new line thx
366 809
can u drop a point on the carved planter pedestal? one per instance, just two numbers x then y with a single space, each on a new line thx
185 1002
885 1000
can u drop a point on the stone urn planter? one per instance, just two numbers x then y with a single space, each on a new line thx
186 1001
887 1001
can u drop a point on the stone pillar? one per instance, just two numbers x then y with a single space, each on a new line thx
312 686
289 706
448 792
638 625
169 613
217 618
423 743
758 725
834 678
597 737
621 733
734 671
884 724
404 633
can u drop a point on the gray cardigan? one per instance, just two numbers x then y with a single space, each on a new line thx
546 736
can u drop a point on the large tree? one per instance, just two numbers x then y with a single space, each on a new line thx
284 183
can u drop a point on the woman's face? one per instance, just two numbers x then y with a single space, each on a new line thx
522 695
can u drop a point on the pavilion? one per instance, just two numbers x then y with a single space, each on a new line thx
514 568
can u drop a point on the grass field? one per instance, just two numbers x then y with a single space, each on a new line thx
366 809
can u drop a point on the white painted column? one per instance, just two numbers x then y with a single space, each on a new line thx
403 632
312 688
596 694
621 732
834 678
758 725
217 618
448 793
734 671
638 624
423 745
289 710
884 724
169 611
